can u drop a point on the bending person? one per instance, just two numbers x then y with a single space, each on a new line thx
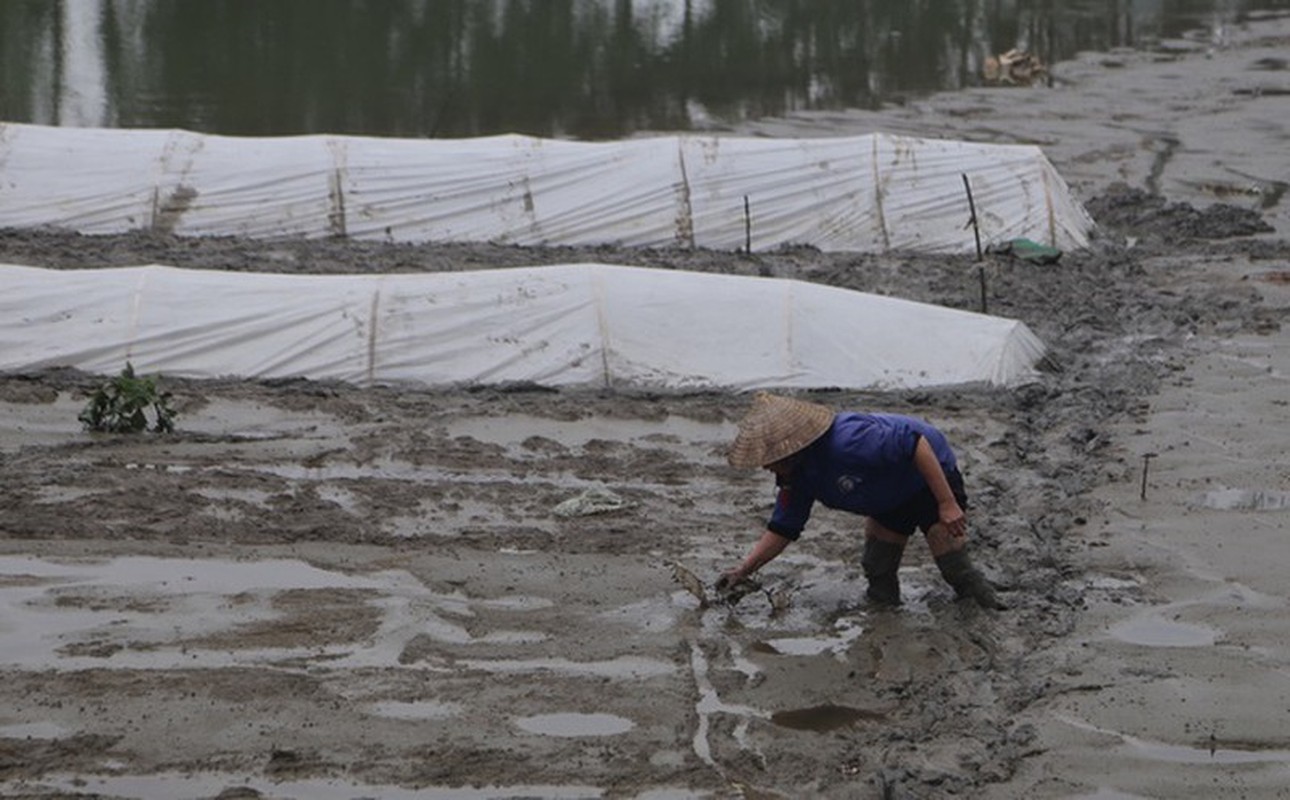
897 471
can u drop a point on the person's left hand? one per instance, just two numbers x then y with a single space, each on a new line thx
954 520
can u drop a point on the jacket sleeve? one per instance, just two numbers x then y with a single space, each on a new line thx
792 510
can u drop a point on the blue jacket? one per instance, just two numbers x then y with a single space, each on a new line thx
864 463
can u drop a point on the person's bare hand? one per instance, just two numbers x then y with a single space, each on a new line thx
728 580
954 520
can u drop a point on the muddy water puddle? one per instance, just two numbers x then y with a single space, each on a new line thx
1155 631
157 613
32 730
54 422
570 725
250 420
649 614
1245 500
253 497
65 494
253 421
836 644
39 423
216 784
1163 626
76 607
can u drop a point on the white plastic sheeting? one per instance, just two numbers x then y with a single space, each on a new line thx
588 325
868 193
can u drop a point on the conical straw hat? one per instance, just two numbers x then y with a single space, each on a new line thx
776 427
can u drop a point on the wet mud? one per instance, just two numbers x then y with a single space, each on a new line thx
372 586
326 590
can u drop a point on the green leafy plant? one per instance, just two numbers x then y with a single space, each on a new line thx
121 405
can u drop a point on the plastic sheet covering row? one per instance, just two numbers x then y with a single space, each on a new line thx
872 193
574 325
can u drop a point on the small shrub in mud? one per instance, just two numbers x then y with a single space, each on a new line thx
122 405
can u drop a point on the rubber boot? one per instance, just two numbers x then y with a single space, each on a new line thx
967 580
881 561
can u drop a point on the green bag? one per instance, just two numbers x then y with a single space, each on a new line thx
1027 250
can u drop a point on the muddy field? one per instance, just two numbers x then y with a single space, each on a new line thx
321 590
315 590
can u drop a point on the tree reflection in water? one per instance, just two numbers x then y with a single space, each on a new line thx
580 68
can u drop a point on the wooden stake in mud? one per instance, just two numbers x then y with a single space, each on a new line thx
976 229
747 227
1146 462
976 233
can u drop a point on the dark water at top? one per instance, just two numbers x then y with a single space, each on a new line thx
576 68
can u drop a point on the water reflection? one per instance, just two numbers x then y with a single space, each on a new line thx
583 68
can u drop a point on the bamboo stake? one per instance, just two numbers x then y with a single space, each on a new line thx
747 227
1146 462
976 230
976 233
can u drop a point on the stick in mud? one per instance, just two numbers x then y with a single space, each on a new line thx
747 227
976 229
980 274
1146 462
